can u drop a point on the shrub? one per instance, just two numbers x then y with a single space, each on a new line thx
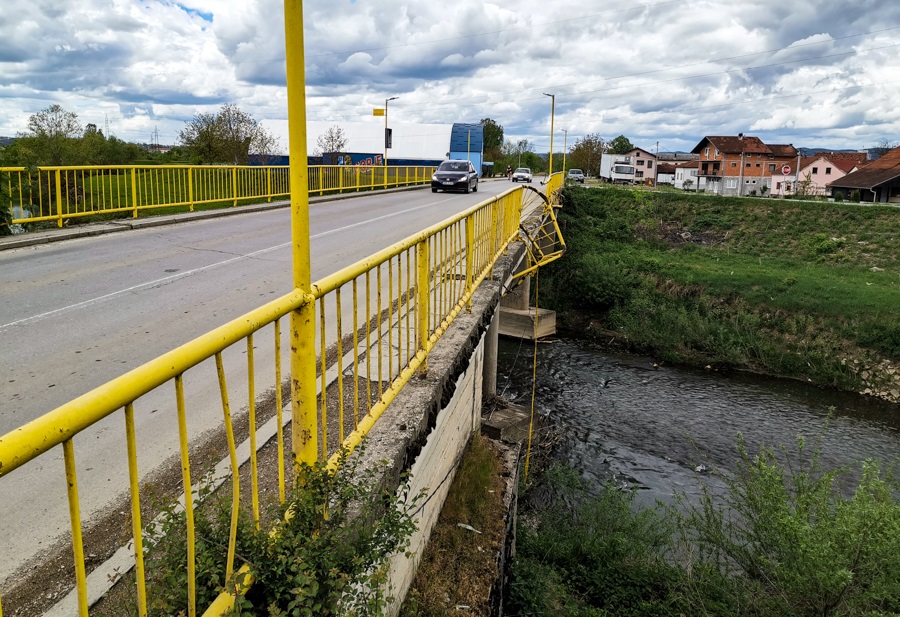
855 195
791 543
839 196
324 555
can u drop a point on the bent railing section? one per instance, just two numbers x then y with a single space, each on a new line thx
376 321
62 193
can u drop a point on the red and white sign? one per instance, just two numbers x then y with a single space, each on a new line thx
785 170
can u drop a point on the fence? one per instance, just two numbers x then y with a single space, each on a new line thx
60 193
375 322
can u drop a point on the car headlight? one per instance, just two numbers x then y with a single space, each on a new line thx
434 178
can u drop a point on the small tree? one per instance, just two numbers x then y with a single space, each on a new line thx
51 135
687 184
619 145
229 136
586 153
331 144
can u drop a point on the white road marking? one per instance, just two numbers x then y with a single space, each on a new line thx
180 275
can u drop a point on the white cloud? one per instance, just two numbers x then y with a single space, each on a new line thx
654 71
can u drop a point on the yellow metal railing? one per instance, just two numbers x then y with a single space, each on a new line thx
375 322
60 193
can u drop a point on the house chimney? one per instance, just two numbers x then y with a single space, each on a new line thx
741 136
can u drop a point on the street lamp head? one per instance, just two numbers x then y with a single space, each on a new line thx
550 95
393 98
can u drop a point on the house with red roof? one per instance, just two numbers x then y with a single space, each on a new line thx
742 164
816 172
876 181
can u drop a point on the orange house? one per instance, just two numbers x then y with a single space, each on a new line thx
742 165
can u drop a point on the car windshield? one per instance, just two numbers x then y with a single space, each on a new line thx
454 166
575 172
523 170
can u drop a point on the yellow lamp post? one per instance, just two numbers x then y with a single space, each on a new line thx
552 114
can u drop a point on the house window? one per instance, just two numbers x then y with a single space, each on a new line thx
828 171
638 155
748 164
778 186
815 170
693 172
771 168
638 174
717 152
649 164
734 164
640 162
758 164
730 183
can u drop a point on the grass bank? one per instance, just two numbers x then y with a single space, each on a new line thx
794 289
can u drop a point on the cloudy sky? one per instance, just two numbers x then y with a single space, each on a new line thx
820 73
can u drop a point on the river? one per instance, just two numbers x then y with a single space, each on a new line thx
654 428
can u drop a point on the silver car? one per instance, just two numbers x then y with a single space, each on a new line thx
575 175
522 174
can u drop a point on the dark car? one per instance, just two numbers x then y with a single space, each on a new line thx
455 176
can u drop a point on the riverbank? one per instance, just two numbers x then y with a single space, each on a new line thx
801 290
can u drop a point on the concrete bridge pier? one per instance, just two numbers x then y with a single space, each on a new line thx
517 317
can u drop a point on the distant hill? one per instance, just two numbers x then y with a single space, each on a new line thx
805 151
5 141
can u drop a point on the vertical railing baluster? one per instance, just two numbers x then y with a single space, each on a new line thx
188 497
278 411
75 519
251 430
423 271
137 533
235 470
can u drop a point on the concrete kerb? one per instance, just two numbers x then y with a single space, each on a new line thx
96 229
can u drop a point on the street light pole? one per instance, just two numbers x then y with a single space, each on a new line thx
393 98
552 114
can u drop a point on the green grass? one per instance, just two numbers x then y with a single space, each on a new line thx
791 288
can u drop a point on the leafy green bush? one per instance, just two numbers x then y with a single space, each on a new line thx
791 543
786 539
579 554
855 195
839 196
821 244
325 553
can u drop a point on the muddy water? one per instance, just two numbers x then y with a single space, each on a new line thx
656 428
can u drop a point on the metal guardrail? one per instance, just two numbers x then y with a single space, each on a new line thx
375 320
60 193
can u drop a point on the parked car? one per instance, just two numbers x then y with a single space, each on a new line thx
575 175
522 174
455 176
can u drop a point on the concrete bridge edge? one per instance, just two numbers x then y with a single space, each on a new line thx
430 423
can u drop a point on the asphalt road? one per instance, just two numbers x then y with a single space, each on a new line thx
75 314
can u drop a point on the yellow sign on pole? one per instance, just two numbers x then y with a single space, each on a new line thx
377 112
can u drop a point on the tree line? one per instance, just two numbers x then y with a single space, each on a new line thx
55 136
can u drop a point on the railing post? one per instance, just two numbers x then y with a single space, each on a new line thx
470 258
341 180
191 188
423 310
234 185
269 183
357 179
59 214
304 429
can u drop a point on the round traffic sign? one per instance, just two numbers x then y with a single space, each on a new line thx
785 169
